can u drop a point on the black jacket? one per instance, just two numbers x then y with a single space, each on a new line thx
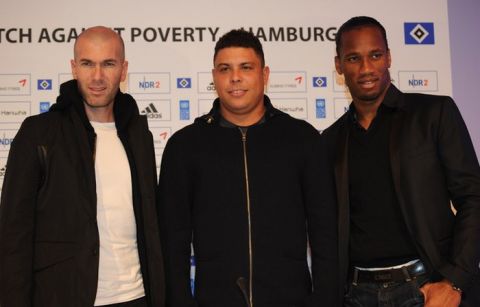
207 200
432 162
49 239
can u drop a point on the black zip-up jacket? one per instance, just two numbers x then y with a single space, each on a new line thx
247 202
49 241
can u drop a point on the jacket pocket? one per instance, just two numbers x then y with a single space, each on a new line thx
48 254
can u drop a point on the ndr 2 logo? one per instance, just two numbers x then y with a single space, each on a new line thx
148 84
418 82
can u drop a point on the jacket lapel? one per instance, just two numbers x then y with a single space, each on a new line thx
341 182
86 164
398 120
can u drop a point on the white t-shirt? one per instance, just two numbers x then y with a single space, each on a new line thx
119 275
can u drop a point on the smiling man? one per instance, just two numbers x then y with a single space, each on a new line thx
78 222
246 186
399 162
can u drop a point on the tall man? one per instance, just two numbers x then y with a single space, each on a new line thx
244 183
78 220
399 159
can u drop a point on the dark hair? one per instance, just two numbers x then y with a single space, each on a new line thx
240 38
359 22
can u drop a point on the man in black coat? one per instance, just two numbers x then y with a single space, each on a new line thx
78 215
400 161
245 185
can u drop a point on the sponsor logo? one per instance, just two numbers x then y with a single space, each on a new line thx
44 106
14 112
44 84
419 33
3 168
14 84
340 106
184 82
287 82
339 84
320 110
149 83
184 106
415 81
160 136
155 109
296 107
6 138
319 81
205 83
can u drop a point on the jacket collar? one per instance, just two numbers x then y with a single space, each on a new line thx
214 116
124 107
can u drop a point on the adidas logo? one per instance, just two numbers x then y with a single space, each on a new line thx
151 112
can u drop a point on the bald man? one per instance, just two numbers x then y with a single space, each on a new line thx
77 215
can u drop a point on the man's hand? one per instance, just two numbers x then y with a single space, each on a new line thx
441 294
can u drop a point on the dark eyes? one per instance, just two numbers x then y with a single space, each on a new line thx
228 68
91 64
356 58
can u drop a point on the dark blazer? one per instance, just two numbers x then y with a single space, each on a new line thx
433 162
49 241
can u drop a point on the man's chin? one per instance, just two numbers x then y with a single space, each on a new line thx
96 103
369 98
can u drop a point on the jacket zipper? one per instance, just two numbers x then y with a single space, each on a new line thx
247 190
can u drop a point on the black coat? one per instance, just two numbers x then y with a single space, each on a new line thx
432 162
203 200
49 241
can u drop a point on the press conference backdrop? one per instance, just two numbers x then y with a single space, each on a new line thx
169 45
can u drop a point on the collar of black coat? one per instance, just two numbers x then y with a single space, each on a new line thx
124 107
214 116
393 99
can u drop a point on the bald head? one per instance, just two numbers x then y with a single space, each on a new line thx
99 35
99 66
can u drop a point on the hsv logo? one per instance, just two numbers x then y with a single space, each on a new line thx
319 81
419 33
44 84
23 82
184 82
